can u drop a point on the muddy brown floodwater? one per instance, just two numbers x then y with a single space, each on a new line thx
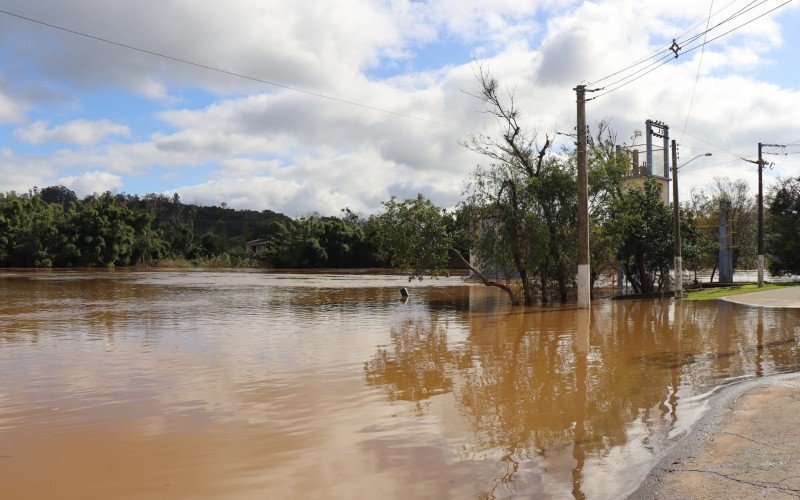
256 385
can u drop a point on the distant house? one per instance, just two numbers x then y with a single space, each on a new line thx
255 246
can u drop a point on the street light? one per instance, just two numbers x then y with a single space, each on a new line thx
696 157
677 215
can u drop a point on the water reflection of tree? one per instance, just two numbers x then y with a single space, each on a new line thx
531 392
416 365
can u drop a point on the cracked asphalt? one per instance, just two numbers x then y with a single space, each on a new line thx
747 447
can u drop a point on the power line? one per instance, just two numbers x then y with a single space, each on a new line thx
738 27
718 148
219 70
669 50
697 76
705 42
668 57
659 51
701 166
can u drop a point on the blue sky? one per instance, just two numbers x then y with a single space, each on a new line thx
96 117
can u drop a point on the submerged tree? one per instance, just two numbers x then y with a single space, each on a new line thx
420 238
642 225
504 197
501 221
519 218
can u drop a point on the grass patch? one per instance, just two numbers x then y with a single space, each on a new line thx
715 293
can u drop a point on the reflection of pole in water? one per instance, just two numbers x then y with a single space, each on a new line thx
582 337
725 327
760 343
674 372
581 350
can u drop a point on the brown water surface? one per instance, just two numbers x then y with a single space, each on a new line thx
248 385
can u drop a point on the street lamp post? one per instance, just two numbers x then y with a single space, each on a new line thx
677 216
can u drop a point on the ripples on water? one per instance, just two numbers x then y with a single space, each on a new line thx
209 384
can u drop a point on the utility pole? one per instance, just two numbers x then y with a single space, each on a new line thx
584 280
760 219
725 236
761 163
677 215
676 210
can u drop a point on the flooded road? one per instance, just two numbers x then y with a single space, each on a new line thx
252 385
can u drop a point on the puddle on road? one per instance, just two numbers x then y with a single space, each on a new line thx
209 384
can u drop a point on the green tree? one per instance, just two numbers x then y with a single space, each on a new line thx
705 207
642 225
419 238
607 172
104 232
29 230
556 194
783 228
504 194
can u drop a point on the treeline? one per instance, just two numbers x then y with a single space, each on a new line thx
52 227
95 231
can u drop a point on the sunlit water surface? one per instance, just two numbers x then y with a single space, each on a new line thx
254 385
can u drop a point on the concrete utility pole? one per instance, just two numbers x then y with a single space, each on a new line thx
761 165
676 210
584 280
760 219
677 215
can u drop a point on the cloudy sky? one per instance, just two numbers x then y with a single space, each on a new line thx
95 116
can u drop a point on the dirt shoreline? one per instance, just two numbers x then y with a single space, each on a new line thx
746 445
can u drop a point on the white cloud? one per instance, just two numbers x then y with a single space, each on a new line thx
91 182
293 152
20 173
78 132
10 111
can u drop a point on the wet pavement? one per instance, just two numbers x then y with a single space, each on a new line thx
749 447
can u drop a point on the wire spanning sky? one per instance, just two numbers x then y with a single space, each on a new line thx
380 108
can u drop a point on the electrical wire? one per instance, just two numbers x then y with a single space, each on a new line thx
718 148
697 76
700 45
220 70
668 59
659 51
701 166
668 49
738 27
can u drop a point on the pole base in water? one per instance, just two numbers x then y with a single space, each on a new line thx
584 287
678 286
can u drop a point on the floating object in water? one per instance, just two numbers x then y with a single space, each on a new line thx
404 292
